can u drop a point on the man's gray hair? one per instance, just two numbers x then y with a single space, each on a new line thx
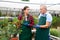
44 6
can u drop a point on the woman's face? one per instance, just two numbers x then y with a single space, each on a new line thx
26 11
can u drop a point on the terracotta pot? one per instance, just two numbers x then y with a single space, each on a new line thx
15 38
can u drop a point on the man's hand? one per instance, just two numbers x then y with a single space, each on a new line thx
36 26
46 25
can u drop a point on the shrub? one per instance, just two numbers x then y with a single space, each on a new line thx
7 28
0 13
56 21
35 19
55 32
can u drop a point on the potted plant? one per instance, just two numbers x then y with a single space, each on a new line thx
7 29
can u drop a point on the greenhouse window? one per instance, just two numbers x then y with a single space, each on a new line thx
25 0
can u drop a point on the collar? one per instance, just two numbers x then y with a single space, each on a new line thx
43 14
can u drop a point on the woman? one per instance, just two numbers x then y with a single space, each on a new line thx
26 25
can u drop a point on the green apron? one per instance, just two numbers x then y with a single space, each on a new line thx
42 33
26 32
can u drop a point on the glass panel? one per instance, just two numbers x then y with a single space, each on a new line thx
25 0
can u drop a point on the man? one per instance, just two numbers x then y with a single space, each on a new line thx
43 27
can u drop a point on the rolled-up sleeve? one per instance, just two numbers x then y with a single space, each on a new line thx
49 18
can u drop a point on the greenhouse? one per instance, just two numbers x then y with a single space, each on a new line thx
11 9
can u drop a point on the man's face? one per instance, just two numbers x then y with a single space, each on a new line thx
42 10
27 10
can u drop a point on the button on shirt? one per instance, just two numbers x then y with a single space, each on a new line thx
48 17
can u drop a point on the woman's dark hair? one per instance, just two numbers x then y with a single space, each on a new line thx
24 9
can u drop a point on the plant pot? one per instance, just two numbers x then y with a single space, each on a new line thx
14 38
